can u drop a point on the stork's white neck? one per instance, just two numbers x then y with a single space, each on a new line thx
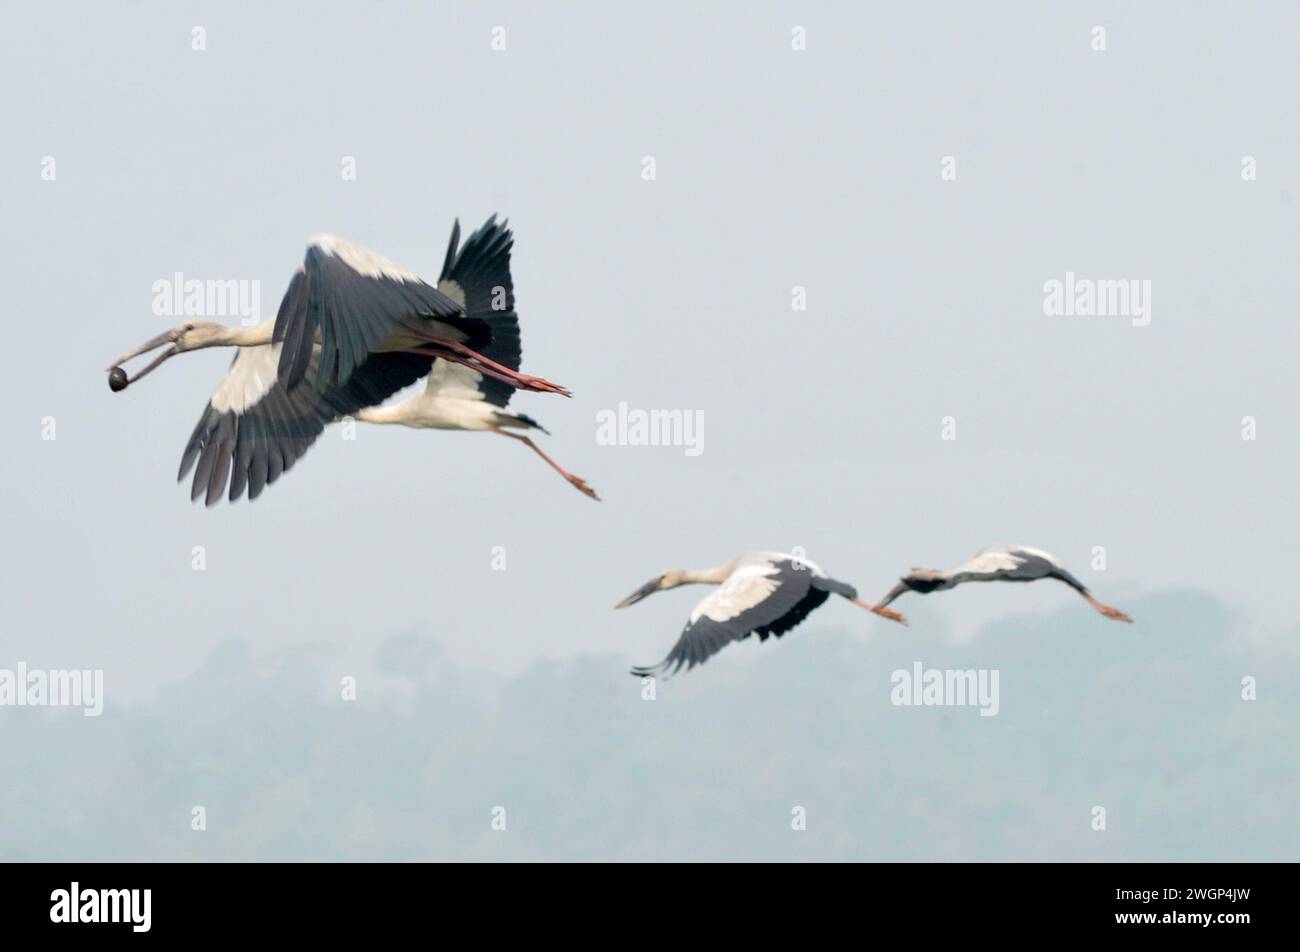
712 576
254 336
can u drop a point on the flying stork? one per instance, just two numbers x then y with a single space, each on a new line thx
344 307
998 563
767 593
256 426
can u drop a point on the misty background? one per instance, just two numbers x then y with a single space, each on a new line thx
775 168
576 766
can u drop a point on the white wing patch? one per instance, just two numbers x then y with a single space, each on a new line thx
251 376
453 290
990 561
360 260
1038 552
453 381
744 588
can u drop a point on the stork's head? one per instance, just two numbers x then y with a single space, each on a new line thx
195 335
667 580
192 335
924 580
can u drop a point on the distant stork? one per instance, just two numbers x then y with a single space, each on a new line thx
256 426
767 593
344 307
998 563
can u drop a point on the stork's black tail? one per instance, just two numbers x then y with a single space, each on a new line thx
520 421
836 586
479 271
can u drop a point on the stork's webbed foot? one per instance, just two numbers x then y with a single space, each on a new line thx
890 614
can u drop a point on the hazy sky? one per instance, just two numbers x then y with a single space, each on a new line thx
774 168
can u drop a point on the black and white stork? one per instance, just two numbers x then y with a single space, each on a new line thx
345 306
763 593
258 424
998 563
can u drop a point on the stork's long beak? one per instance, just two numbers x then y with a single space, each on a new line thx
649 588
122 381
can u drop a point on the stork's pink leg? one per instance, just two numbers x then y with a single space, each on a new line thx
516 379
431 352
883 612
577 482
1112 613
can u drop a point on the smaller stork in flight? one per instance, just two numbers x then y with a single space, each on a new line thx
998 563
767 593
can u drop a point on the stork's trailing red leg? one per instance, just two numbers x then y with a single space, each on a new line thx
883 612
1112 613
578 483
512 377
433 352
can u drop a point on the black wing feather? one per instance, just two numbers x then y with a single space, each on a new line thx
812 600
481 268
352 313
253 448
292 317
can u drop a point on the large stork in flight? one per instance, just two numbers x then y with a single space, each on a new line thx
344 306
268 410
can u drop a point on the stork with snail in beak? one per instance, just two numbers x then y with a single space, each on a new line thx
258 424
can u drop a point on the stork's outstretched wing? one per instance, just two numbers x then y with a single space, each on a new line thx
255 427
477 277
350 301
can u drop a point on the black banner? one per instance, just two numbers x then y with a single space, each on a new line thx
1218 902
